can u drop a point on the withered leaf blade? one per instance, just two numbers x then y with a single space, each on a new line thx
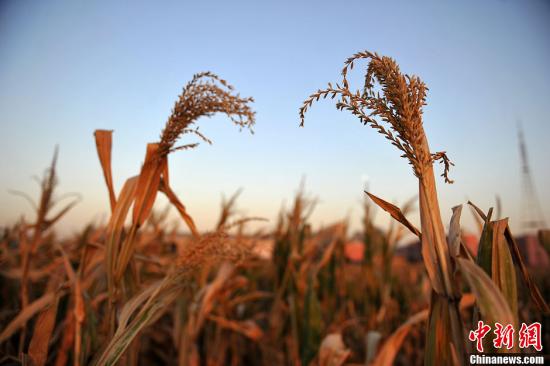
388 351
428 251
165 188
478 211
62 213
454 231
534 291
103 141
485 247
503 270
491 301
38 348
148 184
125 199
116 227
26 314
247 328
79 308
441 333
391 346
395 212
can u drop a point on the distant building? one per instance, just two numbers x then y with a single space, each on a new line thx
532 252
412 252
355 251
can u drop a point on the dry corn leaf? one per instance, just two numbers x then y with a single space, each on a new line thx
534 292
60 214
388 351
503 270
165 188
116 225
80 315
247 328
138 300
45 323
62 357
209 297
79 310
103 142
477 219
69 270
485 248
27 313
429 253
391 346
490 300
444 331
395 212
148 184
533 289
152 303
34 274
455 232
145 194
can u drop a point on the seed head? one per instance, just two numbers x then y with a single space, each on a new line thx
389 98
205 95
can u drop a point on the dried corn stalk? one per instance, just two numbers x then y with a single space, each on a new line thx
391 98
205 95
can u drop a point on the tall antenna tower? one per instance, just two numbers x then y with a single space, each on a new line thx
531 212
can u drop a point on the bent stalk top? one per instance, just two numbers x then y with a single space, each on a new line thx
391 103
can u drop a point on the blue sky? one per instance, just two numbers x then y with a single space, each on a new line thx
69 67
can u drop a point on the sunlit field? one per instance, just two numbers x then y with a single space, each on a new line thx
141 290
274 183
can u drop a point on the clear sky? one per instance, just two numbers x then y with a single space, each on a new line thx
69 67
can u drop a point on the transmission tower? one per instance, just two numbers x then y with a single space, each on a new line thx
531 212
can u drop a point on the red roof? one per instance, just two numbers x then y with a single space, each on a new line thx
354 250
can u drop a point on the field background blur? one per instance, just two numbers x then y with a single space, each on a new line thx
67 68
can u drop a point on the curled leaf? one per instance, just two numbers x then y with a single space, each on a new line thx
395 212
103 142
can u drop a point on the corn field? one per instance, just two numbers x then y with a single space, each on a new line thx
140 291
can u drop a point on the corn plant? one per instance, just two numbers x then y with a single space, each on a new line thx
391 103
205 95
